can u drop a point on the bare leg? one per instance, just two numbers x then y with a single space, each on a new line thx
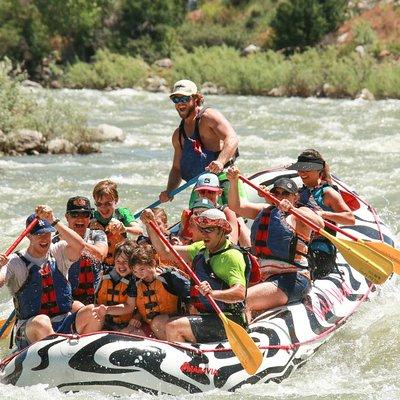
86 322
179 330
265 296
76 306
158 325
38 328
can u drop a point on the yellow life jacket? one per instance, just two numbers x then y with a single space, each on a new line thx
112 239
112 292
154 299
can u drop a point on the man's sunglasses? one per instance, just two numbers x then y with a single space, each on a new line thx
80 214
281 193
207 229
180 99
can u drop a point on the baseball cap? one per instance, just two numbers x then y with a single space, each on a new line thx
41 227
213 217
184 87
207 181
287 184
202 203
308 162
78 204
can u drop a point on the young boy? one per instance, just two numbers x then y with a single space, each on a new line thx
115 221
115 298
158 295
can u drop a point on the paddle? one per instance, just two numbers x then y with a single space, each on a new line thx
6 325
171 193
368 262
241 343
380 247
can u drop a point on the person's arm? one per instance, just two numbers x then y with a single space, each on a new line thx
163 251
224 132
240 206
231 217
75 244
3 271
99 248
102 310
134 229
341 213
234 294
174 177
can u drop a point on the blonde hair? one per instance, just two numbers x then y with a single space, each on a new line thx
143 254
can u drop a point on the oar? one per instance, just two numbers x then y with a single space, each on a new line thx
171 193
368 262
380 247
6 325
241 343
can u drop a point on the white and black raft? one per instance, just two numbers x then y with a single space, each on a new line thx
119 364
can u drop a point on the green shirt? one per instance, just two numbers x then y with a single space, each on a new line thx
121 214
228 266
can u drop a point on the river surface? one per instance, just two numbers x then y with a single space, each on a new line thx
361 142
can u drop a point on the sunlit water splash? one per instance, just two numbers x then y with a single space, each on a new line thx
361 142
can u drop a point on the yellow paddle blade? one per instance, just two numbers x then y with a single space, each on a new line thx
374 266
8 329
242 345
388 251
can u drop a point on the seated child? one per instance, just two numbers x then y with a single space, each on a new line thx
159 294
115 297
115 221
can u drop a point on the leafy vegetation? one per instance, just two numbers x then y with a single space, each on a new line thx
19 110
114 43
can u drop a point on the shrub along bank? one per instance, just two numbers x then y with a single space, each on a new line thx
330 71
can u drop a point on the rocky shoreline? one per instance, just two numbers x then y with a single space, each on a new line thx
31 142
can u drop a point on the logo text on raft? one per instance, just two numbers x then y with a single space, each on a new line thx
195 369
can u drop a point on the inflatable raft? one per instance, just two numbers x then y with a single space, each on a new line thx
118 364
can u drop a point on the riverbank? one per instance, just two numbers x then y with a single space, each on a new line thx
330 71
32 122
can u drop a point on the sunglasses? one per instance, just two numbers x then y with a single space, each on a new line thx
105 204
207 229
181 99
281 193
79 214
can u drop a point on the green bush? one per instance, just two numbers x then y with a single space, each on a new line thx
107 70
21 110
301 23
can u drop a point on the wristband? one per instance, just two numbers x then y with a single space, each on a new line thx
55 222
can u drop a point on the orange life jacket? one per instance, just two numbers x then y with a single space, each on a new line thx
112 291
154 299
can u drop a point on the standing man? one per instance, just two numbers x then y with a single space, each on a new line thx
204 140
37 280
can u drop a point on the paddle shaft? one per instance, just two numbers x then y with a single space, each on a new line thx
184 265
7 253
171 193
21 236
274 200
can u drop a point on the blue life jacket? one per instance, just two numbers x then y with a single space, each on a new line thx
203 270
273 238
45 291
84 277
314 198
195 157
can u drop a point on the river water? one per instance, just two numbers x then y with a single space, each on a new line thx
359 139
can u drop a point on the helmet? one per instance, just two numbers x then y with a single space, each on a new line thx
213 217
